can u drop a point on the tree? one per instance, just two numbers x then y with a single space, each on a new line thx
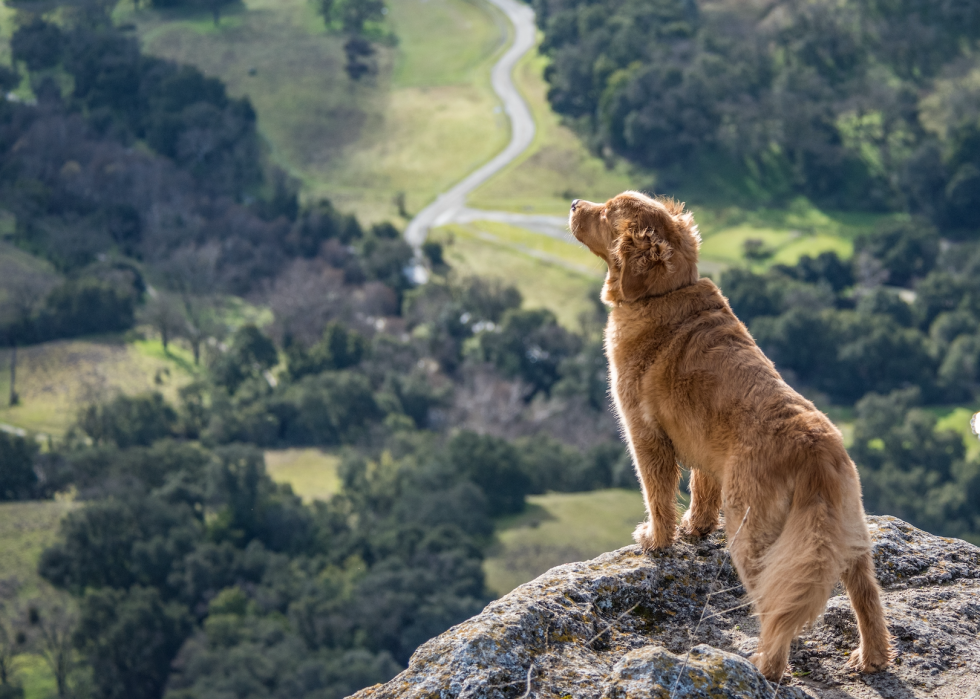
17 477
907 250
192 273
912 470
353 16
531 345
129 421
251 353
38 43
495 466
215 7
54 626
165 313
339 348
26 290
12 641
130 637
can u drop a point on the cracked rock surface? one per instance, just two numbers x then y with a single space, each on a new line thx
625 626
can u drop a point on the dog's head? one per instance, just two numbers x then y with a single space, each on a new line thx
650 245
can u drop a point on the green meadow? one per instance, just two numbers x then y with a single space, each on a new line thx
426 120
549 273
312 473
55 379
559 528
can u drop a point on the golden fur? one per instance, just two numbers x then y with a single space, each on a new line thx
691 386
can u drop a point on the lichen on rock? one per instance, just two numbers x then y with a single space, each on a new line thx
621 626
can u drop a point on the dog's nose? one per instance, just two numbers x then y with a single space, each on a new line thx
574 203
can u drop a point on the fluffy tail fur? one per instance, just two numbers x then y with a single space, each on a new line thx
798 572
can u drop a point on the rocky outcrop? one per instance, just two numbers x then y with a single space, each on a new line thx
625 626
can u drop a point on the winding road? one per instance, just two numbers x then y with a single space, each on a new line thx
450 207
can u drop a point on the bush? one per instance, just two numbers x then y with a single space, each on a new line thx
530 345
129 421
18 481
495 466
113 623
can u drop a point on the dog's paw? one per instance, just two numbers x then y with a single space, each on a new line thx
695 530
864 660
770 667
648 538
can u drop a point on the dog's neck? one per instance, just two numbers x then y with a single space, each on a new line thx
670 307
611 298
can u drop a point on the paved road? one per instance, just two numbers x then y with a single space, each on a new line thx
552 226
451 206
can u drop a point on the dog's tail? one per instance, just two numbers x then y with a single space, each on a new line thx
800 569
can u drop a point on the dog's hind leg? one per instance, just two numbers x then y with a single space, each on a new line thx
875 651
659 475
798 573
701 517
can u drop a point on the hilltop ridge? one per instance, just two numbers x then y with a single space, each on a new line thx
621 625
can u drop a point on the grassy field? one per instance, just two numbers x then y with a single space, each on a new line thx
957 419
55 379
423 123
311 472
557 167
786 234
26 529
560 528
549 273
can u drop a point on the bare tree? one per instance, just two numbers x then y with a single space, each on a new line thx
192 274
26 290
165 313
305 297
53 628
11 643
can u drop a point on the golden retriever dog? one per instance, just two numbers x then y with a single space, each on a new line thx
692 387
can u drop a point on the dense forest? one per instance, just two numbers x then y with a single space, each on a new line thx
190 573
860 104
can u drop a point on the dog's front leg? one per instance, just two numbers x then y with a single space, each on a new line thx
657 468
701 517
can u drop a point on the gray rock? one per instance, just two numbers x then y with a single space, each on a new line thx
621 626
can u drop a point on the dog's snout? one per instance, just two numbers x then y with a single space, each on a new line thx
575 203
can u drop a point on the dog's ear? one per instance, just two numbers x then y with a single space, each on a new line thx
641 254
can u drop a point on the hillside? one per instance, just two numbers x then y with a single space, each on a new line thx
271 449
425 121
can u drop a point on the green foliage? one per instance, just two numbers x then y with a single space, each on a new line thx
553 466
495 466
352 15
385 256
18 481
77 307
318 223
129 421
339 348
906 251
38 44
114 623
250 353
911 470
529 344
447 315
825 101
